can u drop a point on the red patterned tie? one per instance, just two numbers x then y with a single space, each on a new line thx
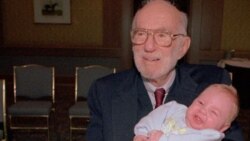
159 95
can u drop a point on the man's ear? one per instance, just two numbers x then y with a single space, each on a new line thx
184 46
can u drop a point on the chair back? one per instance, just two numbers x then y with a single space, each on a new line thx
84 76
34 81
3 107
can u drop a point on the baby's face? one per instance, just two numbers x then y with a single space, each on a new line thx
211 109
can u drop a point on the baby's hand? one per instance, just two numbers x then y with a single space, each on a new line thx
140 138
155 135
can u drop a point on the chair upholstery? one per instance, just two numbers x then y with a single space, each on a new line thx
84 76
3 130
33 95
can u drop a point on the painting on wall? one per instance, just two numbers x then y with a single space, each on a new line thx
52 11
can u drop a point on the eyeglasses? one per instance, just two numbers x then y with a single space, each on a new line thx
162 38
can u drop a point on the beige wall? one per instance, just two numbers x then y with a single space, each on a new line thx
85 28
236 25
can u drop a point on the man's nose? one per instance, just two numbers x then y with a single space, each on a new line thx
150 45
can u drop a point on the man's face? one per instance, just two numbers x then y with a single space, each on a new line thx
212 109
155 62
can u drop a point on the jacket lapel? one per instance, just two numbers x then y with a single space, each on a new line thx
183 89
128 107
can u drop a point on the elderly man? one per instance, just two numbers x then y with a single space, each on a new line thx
159 36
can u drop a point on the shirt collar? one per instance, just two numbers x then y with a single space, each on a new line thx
151 88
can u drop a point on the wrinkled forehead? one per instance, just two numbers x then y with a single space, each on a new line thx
157 14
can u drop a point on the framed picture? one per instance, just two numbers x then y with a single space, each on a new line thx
52 11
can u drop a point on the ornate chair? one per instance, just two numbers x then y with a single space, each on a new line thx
34 90
84 76
3 130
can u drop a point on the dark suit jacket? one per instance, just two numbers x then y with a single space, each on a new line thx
118 101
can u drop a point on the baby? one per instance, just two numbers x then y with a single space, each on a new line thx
210 114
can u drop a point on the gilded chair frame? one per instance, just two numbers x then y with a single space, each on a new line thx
87 67
3 102
13 127
76 96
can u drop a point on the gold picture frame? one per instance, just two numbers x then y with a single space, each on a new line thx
52 11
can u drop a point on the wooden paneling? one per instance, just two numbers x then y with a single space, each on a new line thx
70 52
112 23
116 38
111 45
205 28
211 25
1 24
